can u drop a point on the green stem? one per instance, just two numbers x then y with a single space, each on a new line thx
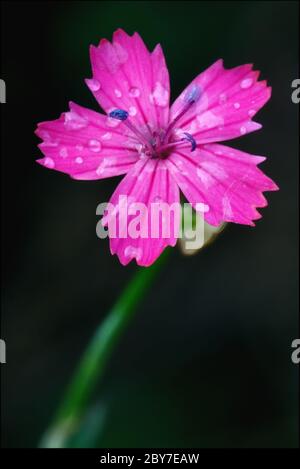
94 360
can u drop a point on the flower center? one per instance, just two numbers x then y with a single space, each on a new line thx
161 143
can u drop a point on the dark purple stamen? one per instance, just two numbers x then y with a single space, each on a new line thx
119 114
191 139
191 97
193 94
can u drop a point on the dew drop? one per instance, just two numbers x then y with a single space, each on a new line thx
74 122
118 93
63 152
246 83
101 167
251 112
48 141
79 160
94 85
132 111
134 92
49 162
160 95
243 130
106 136
237 105
94 145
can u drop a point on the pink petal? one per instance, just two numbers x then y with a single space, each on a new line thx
81 144
228 101
226 180
148 182
127 76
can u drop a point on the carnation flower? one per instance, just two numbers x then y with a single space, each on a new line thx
163 149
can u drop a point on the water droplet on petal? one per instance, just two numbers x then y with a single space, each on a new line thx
209 120
101 167
94 85
94 145
243 130
132 111
63 152
237 105
49 162
118 93
106 136
160 95
74 122
251 112
79 160
246 83
134 92
48 140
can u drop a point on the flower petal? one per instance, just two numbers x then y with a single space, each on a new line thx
226 180
228 101
80 144
127 76
151 184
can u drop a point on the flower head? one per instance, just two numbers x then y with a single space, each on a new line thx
162 149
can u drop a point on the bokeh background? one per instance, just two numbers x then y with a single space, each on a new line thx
206 361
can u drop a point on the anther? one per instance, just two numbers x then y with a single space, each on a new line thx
193 94
190 139
122 115
119 114
190 98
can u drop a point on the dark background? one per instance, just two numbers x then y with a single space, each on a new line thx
206 361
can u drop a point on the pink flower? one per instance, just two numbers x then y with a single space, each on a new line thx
163 149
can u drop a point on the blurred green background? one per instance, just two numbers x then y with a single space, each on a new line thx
206 361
